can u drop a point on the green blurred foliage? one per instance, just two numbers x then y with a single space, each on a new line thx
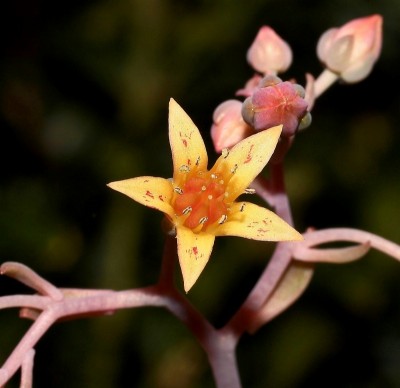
84 88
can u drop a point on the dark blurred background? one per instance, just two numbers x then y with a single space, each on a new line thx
84 90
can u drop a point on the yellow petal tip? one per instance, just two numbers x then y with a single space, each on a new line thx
194 251
113 185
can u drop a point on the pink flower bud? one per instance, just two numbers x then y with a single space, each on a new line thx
228 127
352 49
269 54
274 103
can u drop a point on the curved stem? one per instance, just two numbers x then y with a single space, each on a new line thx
75 306
279 261
29 340
219 345
316 237
264 287
30 278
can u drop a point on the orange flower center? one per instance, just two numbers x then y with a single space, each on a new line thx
200 202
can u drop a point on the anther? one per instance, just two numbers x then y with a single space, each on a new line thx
210 197
184 168
235 167
249 191
225 153
221 182
242 207
203 188
203 220
223 218
178 190
214 176
187 210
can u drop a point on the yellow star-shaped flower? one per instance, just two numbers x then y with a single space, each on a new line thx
201 203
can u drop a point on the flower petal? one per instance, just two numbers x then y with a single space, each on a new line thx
187 145
246 160
194 250
252 221
148 190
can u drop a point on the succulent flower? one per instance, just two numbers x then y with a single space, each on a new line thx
200 203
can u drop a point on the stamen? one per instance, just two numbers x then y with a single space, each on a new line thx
242 207
200 200
225 153
184 168
178 190
223 218
203 220
187 210
235 167
249 191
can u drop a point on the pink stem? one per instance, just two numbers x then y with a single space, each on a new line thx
279 261
104 301
30 278
28 341
219 346
316 237
262 188
27 370
33 301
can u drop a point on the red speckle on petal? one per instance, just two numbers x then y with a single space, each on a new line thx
149 194
160 197
184 142
262 231
249 156
195 251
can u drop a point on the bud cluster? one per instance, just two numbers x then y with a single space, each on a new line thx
348 53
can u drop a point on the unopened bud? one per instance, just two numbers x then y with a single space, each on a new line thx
228 127
351 50
280 103
269 53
